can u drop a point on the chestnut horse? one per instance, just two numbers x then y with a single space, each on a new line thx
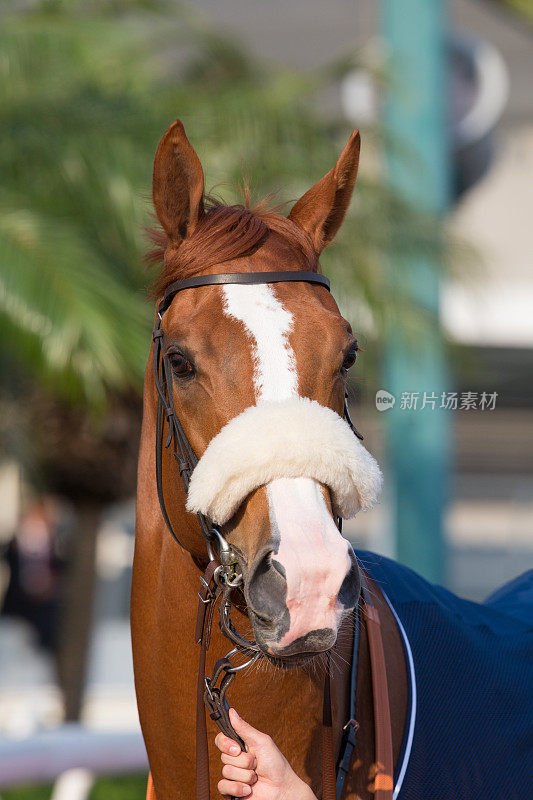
234 348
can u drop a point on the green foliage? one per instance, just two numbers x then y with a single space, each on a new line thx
127 788
130 788
87 90
522 7
41 792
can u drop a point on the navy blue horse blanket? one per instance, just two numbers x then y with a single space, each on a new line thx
469 727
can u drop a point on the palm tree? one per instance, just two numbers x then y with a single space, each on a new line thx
87 91
74 322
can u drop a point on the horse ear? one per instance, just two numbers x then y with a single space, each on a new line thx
321 210
177 184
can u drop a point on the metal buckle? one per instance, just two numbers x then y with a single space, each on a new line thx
210 594
229 571
353 723
201 599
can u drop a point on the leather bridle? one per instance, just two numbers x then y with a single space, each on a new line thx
223 575
182 450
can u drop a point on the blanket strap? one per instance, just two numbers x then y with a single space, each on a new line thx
328 753
384 781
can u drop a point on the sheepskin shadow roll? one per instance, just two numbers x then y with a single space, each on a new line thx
289 439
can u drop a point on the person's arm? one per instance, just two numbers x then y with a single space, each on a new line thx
261 772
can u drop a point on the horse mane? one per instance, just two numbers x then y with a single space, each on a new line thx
223 233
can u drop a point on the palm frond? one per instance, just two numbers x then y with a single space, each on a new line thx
87 90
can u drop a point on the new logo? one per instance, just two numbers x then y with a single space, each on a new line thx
384 400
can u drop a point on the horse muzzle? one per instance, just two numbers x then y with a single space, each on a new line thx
288 626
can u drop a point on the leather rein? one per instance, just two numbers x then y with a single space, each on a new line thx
223 576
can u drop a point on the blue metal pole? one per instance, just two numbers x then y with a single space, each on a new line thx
418 439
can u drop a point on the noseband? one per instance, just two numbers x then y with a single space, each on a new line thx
223 573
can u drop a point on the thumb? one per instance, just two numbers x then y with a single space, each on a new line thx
249 734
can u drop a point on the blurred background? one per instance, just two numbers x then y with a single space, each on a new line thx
432 267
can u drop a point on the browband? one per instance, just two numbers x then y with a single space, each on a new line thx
241 278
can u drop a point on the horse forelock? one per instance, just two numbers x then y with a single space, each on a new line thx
224 233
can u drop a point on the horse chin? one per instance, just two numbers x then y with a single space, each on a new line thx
292 662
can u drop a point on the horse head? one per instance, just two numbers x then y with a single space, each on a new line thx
258 382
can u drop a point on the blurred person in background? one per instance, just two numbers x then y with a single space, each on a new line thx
35 567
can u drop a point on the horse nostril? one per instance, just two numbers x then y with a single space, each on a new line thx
260 617
267 589
351 586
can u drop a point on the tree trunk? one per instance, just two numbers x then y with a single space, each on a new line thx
77 610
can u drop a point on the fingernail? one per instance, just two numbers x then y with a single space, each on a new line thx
246 790
236 713
234 750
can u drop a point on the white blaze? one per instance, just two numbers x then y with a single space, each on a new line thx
268 324
311 550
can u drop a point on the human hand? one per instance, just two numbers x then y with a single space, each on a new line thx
262 772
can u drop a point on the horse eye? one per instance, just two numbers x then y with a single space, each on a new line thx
180 365
350 358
